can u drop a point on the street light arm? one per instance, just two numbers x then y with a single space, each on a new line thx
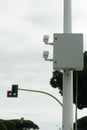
43 92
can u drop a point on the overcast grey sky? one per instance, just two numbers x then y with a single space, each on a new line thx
22 26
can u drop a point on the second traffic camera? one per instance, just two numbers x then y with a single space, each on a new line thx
45 55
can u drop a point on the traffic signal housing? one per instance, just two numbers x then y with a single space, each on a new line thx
13 92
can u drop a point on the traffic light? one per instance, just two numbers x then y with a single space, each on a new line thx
14 92
9 93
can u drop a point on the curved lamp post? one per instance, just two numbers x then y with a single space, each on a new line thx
43 92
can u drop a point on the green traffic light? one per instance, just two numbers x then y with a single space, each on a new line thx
14 94
15 90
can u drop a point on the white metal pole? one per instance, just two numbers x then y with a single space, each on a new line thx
67 16
68 100
67 75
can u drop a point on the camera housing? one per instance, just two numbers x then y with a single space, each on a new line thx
45 55
46 39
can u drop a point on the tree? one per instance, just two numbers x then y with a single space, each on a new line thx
57 82
17 124
2 126
81 123
25 124
11 125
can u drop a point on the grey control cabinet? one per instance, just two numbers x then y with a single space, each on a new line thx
68 51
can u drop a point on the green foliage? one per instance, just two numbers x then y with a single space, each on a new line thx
57 80
81 123
26 124
11 125
2 126
17 124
